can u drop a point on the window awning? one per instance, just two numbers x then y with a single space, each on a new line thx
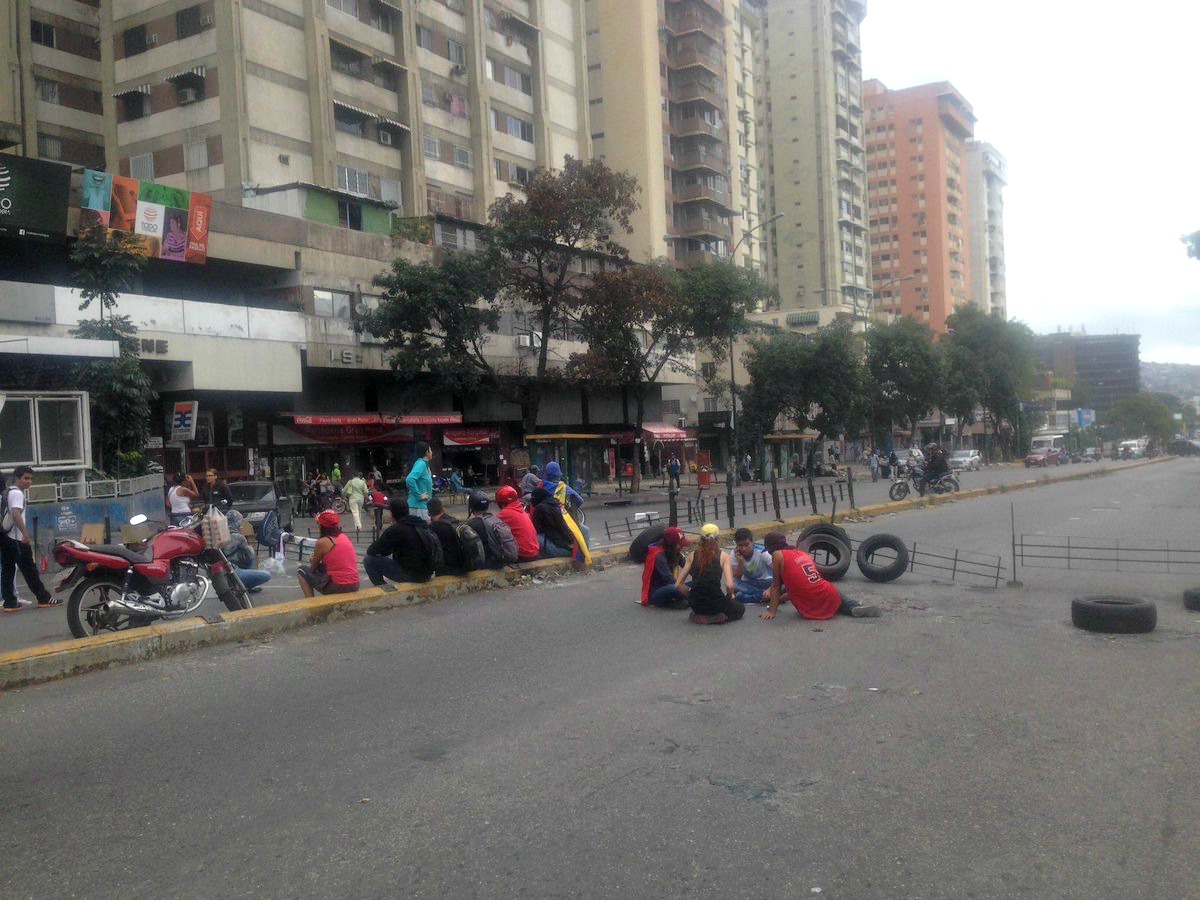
354 109
385 61
390 5
661 431
391 123
512 18
197 71
810 317
136 89
374 418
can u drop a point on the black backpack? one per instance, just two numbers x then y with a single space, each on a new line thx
433 547
471 545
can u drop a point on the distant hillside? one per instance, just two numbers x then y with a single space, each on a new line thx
1171 378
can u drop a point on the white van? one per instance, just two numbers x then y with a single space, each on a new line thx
1137 449
1047 441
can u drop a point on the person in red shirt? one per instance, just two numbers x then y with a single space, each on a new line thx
514 516
333 566
813 596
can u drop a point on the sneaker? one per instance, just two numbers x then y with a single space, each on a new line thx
865 612
16 605
49 601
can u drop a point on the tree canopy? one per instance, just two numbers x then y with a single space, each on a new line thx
106 264
904 372
1143 414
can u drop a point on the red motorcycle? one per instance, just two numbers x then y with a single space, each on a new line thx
119 586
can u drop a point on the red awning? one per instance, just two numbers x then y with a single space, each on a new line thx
469 437
374 418
661 431
364 428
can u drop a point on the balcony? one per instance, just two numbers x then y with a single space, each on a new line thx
692 192
688 57
700 227
701 158
696 257
697 92
697 127
715 5
693 24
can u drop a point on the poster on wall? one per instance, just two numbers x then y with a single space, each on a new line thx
34 196
172 222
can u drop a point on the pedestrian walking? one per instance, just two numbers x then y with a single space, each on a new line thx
873 462
355 493
16 546
336 475
420 481
673 469
179 498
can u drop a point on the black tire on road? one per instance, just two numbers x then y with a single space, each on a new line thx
640 548
898 490
1114 615
1191 599
825 528
101 588
894 567
836 553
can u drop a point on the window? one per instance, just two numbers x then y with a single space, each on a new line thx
456 52
348 122
489 66
195 156
135 105
141 167
344 60
42 33
47 90
424 37
710 404
134 40
187 22
389 191
331 304
429 94
462 158
514 126
354 181
433 148
381 19
350 215
708 371
49 147
349 7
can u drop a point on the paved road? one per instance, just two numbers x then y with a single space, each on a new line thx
562 741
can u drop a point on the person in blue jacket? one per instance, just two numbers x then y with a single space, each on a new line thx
420 481
559 489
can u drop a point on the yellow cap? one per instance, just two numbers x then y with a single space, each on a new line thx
710 532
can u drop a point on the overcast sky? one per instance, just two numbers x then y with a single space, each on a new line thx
1094 106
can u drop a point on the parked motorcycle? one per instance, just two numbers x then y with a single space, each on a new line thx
910 481
117 586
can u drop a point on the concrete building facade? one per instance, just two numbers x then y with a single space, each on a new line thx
918 200
986 179
1106 368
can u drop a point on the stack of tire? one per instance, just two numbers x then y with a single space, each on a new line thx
832 544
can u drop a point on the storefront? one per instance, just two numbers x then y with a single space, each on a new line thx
475 452
661 440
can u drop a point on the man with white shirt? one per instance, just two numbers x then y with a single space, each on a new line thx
16 547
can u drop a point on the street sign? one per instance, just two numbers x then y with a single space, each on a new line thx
154 443
183 421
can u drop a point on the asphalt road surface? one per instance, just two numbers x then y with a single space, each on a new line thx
562 741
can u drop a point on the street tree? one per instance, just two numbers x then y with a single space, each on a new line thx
1143 415
961 383
106 264
904 374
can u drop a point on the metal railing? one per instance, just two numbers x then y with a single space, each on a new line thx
93 490
1094 554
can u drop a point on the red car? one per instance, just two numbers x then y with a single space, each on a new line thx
1042 457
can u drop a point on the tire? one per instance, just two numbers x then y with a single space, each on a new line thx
578 515
882 573
1191 599
824 528
640 548
232 592
828 545
1114 615
956 487
339 506
898 490
83 615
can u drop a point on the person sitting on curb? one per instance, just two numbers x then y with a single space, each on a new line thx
561 491
499 545
813 596
530 481
554 537
751 568
446 529
513 514
404 552
663 563
710 570
333 566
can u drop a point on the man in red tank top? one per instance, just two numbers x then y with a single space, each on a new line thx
333 566
813 596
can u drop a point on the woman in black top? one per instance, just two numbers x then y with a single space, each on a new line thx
215 492
710 571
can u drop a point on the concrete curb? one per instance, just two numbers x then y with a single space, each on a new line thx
48 662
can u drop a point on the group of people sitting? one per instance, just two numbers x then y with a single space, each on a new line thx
413 549
717 585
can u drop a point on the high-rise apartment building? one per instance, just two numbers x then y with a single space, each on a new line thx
917 200
811 118
671 89
986 179
1106 368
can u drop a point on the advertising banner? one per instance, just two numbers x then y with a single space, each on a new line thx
173 222
34 197
183 420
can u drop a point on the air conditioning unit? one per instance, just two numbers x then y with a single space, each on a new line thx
385 137
531 341
206 21
188 95
151 40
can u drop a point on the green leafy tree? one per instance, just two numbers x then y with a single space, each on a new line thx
1143 414
961 383
904 373
106 264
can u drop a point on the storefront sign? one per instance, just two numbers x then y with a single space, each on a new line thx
172 222
183 421
365 428
154 443
34 197
469 437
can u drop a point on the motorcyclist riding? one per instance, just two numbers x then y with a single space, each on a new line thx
936 465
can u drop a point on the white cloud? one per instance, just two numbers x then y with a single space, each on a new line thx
1092 106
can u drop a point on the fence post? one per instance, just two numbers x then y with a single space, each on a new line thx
1012 512
812 494
729 497
775 495
673 507
850 486
107 530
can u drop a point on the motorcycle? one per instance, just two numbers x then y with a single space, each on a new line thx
945 484
115 586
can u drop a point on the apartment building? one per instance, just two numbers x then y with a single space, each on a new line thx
917 198
672 90
812 132
1106 368
986 179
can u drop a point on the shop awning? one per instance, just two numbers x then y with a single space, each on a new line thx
469 437
567 437
374 418
388 61
661 431
364 428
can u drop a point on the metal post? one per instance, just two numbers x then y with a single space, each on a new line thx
850 485
775 495
729 500
812 493
673 507
1012 512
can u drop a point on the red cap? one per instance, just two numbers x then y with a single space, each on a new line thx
329 519
675 537
506 495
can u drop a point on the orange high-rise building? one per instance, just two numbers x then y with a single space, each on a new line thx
916 200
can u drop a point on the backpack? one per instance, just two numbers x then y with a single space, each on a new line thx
469 542
6 519
433 548
501 545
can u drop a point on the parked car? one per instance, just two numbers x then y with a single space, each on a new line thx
1184 447
966 460
1090 454
254 499
1042 457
